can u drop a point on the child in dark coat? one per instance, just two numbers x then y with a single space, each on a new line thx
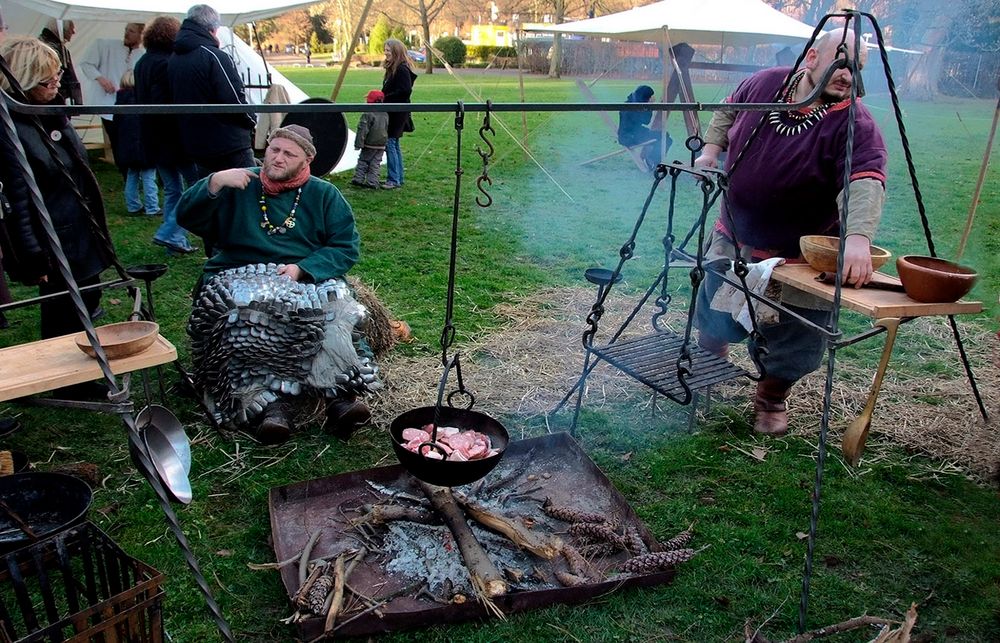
130 158
373 131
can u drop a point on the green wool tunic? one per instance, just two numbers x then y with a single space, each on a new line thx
324 242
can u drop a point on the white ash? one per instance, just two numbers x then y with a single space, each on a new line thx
430 552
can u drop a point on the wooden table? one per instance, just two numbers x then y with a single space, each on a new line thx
36 367
888 308
877 304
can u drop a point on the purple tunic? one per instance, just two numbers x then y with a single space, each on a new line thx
787 184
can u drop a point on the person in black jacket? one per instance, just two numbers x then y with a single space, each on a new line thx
160 133
201 73
70 91
397 85
130 155
636 128
79 222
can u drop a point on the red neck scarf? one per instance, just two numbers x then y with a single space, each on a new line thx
273 187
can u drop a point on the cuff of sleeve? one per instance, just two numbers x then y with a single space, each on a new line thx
865 208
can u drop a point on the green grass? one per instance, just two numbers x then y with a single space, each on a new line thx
886 538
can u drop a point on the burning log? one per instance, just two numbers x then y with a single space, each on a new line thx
541 546
485 576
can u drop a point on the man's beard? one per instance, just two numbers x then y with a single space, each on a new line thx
280 175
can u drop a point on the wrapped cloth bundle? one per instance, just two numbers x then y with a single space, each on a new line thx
257 336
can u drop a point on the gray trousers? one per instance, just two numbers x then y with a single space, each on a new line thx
793 349
369 164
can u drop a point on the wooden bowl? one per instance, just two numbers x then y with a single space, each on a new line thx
821 253
121 340
933 280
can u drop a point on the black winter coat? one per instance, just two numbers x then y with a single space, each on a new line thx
397 89
200 73
129 150
69 85
160 133
31 255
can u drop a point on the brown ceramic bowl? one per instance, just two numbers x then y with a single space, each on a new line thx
121 340
821 253
933 280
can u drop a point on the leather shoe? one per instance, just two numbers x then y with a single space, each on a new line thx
275 424
343 416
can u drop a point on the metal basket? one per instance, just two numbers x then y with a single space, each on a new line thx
79 585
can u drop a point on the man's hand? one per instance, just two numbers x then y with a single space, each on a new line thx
106 85
857 260
291 270
238 178
709 156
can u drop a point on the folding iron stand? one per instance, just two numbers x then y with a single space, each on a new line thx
667 363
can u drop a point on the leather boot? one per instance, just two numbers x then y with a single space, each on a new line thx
715 346
275 424
769 405
344 415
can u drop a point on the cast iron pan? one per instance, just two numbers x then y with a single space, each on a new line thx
47 502
329 132
446 473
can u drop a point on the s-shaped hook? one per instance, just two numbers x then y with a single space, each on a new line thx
486 156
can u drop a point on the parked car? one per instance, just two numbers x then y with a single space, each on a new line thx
417 56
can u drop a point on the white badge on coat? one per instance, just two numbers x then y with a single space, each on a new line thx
56 135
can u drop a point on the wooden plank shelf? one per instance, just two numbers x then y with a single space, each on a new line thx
36 367
653 361
875 303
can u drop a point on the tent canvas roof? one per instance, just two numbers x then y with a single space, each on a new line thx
233 12
696 22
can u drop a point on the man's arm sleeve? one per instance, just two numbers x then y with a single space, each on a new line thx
196 211
865 209
341 249
90 62
718 128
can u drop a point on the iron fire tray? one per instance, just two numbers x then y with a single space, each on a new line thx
555 462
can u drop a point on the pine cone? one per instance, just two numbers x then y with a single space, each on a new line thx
634 542
571 515
576 563
590 532
679 541
316 597
598 550
657 561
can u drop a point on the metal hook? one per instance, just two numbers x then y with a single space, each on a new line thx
486 156
459 115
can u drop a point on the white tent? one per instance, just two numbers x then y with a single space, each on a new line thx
107 19
734 23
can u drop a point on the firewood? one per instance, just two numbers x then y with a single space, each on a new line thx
542 546
484 574
334 606
304 556
381 514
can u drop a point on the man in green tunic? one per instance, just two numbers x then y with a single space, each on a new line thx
275 228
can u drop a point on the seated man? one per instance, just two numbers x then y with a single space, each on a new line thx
274 317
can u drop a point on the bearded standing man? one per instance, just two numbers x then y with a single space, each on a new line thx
278 214
105 63
789 183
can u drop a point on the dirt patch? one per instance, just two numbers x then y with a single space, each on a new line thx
528 365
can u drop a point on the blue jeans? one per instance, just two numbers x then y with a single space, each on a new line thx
393 162
174 178
150 193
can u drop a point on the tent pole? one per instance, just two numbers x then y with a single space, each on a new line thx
667 70
350 51
520 85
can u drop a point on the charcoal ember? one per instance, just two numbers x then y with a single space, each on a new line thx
657 561
255 332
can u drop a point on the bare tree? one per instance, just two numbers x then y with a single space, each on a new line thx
427 12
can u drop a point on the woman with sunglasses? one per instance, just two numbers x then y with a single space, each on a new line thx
68 187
